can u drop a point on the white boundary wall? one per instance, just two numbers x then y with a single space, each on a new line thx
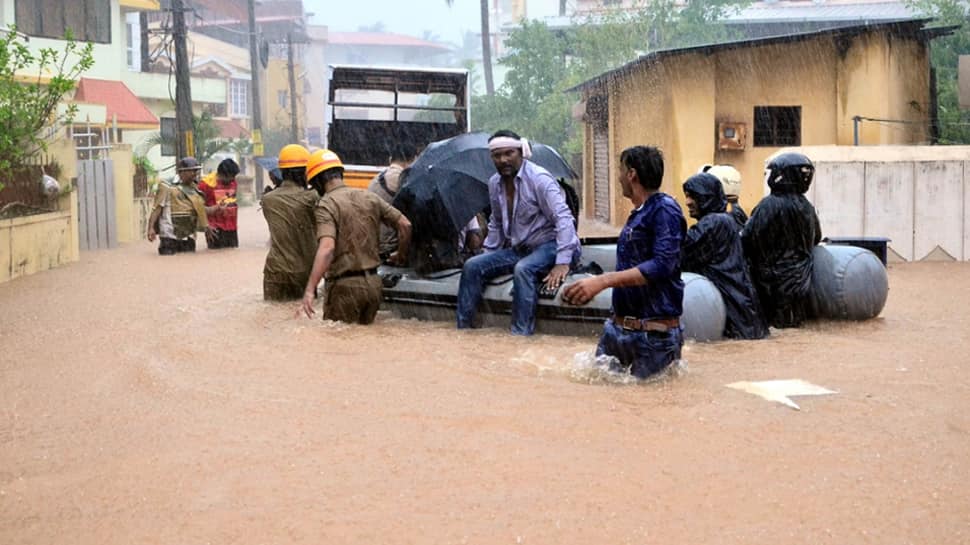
918 196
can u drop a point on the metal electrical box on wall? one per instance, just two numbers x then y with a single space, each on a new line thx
731 135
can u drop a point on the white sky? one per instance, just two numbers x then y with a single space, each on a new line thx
411 17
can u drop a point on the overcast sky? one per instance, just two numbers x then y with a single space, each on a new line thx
411 17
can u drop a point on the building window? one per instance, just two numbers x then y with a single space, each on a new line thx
777 126
133 42
238 98
88 20
283 99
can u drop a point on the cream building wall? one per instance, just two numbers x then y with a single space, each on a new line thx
676 103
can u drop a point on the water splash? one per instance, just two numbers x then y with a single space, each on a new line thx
591 369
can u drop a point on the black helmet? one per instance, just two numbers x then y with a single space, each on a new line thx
790 172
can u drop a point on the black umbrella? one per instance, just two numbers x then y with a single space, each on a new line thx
448 184
469 153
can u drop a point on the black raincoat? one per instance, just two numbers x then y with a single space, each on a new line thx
712 248
739 215
778 241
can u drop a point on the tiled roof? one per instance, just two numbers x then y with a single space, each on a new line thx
118 99
382 39
230 128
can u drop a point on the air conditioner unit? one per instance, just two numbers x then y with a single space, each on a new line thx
731 135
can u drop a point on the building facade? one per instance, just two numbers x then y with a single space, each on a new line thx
738 103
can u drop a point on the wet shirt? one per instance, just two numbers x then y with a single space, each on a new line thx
650 241
351 217
385 186
539 214
289 212
183 211
224 219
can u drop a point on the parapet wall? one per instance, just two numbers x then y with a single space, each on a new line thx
918 196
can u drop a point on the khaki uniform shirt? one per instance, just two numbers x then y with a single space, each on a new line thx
351 217
387 191
182 209
289 211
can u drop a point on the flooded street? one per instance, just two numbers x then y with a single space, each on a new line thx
160 400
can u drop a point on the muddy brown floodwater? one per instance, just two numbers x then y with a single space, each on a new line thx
160 400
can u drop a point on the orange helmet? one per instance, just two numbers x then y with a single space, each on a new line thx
293 156
320 161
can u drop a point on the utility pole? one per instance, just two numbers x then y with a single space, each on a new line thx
487 50
294 122
185 142
257 122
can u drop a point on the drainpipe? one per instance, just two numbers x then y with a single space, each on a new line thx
856 121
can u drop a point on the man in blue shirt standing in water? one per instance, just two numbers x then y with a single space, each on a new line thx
644 333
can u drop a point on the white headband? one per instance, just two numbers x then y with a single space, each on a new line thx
500 142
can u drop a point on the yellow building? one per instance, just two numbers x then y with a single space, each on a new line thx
276 97
738 103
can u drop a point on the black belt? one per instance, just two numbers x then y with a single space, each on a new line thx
631 323
351 274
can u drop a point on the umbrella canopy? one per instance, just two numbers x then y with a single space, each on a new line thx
448 184
267 162
469 153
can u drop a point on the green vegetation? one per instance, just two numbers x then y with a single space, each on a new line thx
28 105
543 63
945 54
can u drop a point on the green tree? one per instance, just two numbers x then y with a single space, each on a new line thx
29 105
208 141
944 55
543 63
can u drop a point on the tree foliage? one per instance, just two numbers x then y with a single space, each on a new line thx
30 104
206 136
945 54
543 63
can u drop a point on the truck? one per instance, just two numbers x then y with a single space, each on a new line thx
372 108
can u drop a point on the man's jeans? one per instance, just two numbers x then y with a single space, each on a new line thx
529 270
642 352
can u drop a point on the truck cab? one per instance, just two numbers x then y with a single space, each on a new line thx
372 108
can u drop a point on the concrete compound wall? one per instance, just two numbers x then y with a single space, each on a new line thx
31 244
918 196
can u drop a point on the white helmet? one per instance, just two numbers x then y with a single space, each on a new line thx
730 179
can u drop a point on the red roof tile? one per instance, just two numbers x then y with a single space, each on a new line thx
230 128
118 99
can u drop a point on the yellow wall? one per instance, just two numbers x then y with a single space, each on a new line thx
634 119
676 104
766 76
124 172
909 95
37 243
276 79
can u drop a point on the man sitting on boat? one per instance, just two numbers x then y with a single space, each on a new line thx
530 234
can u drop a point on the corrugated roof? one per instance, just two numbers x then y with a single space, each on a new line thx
796 11
382 39
911 25
118 99
777 12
